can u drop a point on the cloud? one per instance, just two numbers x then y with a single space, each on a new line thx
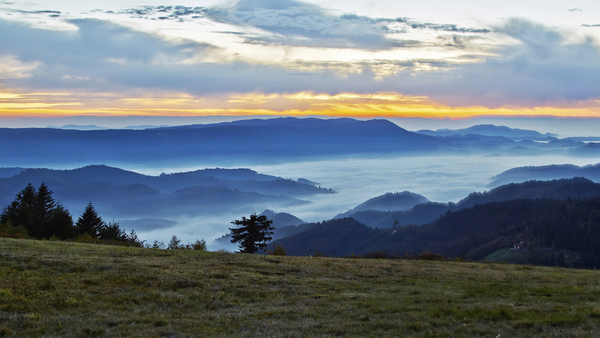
295 23
575 10
98 56
584 25
97 49
12 68
447 28
545 66
179 13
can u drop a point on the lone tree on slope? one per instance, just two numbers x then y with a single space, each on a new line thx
252 233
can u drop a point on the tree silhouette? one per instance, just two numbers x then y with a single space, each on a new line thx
39 214
112 231
252 233
44 203
90 222
60 224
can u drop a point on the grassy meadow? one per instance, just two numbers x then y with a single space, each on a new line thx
58 289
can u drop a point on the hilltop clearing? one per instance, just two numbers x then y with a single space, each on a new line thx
74 290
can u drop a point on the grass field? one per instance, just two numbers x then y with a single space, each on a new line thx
57 289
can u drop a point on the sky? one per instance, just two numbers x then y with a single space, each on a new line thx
390 58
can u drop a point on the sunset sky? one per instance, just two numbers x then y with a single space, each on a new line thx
428 58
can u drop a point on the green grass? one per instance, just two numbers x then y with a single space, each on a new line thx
56 289
523 256
508 255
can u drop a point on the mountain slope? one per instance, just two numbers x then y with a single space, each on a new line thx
427 212
248 140
475 232
548 172
388 202
121 193
490 130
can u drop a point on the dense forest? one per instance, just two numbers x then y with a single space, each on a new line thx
425 213
572 224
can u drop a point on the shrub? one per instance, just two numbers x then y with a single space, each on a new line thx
157 245
134 240
198 245
175 243
378 255
7 230
428 256
278 250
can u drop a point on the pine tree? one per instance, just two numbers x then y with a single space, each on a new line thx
252 233
39 214
89 222
112 231
44 203
60 224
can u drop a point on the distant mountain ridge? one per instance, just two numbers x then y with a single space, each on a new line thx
427 212
398 201
124 194
249 140
260 141
549 172
242 179
491 130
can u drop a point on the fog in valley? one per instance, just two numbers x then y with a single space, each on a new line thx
357 159
439 178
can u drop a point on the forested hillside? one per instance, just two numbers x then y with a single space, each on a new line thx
427 212
572 224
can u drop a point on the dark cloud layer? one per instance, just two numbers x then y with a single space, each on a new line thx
178 13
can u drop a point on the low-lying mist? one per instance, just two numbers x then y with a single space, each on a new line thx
439 178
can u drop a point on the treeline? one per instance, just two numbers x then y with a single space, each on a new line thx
572 224
553 225
36 214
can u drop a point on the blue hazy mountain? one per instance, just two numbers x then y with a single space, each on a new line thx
548 172
241 179
591 149
427 212
126 194
249 140
558 213
491 130
281 219
263 141
10 172
556 225
397 201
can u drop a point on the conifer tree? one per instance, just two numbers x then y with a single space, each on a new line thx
252 233
44 203
89 222
39 213
60 224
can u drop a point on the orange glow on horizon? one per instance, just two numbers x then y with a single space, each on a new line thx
382 104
